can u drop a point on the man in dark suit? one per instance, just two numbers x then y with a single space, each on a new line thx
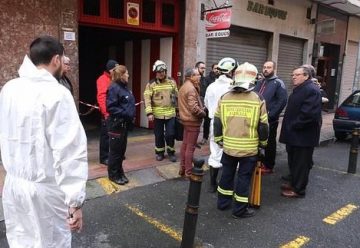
301 131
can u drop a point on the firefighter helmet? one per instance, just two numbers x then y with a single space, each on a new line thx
245 76
226 65
159 66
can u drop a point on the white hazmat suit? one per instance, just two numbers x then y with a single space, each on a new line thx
212 97
44 153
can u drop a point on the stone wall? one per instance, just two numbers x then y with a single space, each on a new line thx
21 21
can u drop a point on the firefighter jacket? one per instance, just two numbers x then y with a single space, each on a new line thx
161 98
241 123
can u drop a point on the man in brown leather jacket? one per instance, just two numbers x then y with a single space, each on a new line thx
191 112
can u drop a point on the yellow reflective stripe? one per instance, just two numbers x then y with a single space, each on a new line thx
148 109
240 147
162 149
224 191
217 114
264 118
241 101
161 88
170 148
263 143
235 139
254 122
218 138
241 198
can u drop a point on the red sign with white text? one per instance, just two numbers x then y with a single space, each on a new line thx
218 19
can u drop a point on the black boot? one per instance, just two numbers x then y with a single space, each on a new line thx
122 176
213 179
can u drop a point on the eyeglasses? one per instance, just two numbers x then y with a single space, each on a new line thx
296 74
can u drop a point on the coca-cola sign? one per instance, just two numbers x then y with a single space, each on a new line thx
218 19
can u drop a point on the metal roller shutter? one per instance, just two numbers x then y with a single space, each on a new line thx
290 56
348 74
243 45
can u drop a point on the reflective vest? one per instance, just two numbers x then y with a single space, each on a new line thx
236 123
161 98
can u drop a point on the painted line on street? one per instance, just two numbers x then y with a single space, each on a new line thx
162 227
111 187
340 214
140 138
338 171
296 243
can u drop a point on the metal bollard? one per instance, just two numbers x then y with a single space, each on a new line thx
191 211
353 150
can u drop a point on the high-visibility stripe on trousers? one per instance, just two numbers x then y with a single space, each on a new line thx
226 190
164 130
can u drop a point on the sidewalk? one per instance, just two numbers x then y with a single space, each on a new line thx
140 164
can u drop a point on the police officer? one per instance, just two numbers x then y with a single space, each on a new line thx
160 97
120 103
240 127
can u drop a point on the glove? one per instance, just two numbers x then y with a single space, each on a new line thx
261 154
220 144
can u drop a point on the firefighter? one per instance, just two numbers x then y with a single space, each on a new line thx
241 128
160 102
226 67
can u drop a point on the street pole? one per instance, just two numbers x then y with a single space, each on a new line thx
191 211
353 151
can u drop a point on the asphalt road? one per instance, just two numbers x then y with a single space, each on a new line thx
152 216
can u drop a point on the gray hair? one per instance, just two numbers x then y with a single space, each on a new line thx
189 72
307 70
311 68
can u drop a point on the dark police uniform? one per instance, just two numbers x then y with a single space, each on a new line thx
120 103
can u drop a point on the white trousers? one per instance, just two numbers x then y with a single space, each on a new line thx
215 150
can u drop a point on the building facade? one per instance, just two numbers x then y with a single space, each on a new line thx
138 32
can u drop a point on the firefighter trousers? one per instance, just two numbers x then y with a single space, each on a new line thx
162 136
240 192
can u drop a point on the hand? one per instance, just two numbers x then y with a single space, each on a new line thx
74 219
220 144
151 117
261 153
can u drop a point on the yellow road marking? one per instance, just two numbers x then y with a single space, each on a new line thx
110 187
140 138
334 170
162 227
296 243
340 214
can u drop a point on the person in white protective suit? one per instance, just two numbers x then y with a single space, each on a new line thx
44 152
226 67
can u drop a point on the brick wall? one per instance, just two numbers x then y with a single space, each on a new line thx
21 21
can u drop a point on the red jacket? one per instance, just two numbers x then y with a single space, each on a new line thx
102 84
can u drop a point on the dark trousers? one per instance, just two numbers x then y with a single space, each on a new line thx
206 127
299 160
104 141
270 150
118 143
161 137
190 137
226 184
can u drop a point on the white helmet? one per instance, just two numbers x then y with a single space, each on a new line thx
245 76
159 66
226 65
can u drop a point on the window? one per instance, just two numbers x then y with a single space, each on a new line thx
92 7
116 9
168 14
353 100
148 11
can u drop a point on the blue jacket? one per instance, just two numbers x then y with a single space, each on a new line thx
120 102
275 95
302 120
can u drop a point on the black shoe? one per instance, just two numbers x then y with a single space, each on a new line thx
172 158
119 180
124 178
286 178
248 213
104 162
159 157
